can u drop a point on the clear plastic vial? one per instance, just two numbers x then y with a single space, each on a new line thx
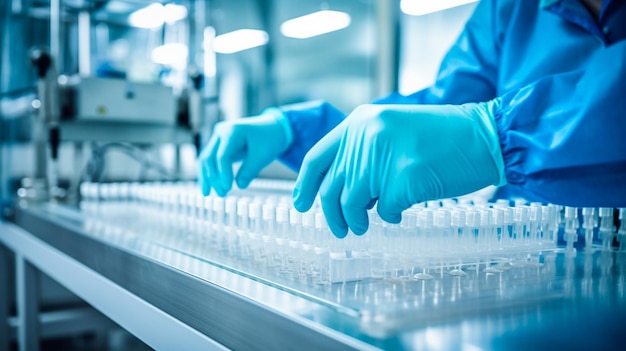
605 230
571 228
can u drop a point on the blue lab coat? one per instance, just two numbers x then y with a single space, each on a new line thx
561 77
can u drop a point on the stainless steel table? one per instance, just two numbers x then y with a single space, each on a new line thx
172 292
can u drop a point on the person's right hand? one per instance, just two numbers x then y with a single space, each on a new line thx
256 141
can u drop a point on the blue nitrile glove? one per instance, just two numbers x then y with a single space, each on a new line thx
399 155
256 141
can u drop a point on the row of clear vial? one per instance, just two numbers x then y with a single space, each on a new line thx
261 226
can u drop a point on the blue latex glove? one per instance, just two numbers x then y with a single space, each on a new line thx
399 155
255 141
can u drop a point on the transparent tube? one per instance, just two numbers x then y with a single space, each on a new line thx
281 254
457 219
621 233
425 236
589 222
269 235
571 227
444 236
296 249
322 237
605 230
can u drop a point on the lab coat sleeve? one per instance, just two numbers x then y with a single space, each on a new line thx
309 122
563 137
469 71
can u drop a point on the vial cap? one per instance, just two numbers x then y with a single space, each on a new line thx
254 209
295 217
486 218
433 204
320 220
588 211
498 216
571 212
425 219
242 207
282 214
472 218
218 204
520 202
442 219
409 220
508 215
269 212
547 213
502 203
231 205
535 212
520 214
457 218
308 219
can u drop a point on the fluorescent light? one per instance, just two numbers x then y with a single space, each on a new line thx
150 16
117 6
174 13
173 54
314 24
239 40
423 7
155 15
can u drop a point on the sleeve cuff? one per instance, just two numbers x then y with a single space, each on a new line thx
493 138
283 122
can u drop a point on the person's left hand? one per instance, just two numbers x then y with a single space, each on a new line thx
399 155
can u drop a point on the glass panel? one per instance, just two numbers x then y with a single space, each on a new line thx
338 66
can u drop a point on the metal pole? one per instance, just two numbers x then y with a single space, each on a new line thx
53 93
267 95
36 188
196 23
55 33
39 129
84 43
388 25
27 304
55 55
4 298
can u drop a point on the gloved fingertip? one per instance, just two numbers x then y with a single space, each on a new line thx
243 183
224 187
299 201
393 218
206 190
337 225
339 232
219 191
298 205
359 229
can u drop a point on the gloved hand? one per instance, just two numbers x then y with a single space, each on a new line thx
256 141
399 155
